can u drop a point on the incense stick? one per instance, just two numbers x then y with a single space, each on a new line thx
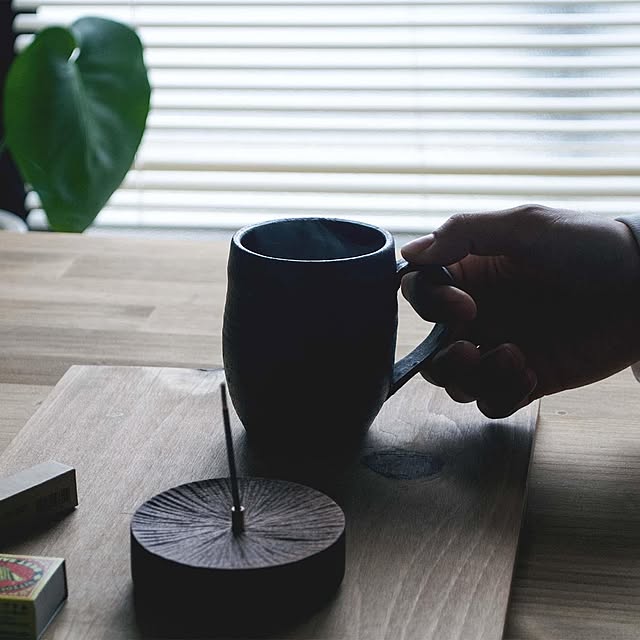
237 510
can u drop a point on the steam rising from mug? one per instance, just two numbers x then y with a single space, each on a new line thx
310 331
312 239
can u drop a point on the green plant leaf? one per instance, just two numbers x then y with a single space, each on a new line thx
76 104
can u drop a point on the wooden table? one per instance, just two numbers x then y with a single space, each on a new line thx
109 300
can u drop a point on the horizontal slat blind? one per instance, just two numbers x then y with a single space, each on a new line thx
400 113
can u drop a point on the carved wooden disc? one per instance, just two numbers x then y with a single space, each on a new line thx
185 557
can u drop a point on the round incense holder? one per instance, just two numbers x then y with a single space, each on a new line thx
194 573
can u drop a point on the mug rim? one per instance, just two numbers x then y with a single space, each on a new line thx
238 236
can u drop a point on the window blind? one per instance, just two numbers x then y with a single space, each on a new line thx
398 113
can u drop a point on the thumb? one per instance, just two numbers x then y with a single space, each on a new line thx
494 233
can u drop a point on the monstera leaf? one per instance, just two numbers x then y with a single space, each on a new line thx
76 104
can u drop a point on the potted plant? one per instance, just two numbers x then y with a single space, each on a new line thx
75 108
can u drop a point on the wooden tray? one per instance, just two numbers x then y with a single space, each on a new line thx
433 502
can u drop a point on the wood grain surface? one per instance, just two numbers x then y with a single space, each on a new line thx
67 299
433 500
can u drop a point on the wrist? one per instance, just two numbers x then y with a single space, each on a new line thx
629 229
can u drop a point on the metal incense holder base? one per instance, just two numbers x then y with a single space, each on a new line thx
234 555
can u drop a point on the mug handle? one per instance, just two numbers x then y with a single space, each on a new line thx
407 367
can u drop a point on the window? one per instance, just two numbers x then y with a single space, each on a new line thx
398 113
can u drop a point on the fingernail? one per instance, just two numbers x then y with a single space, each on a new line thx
419 244
532 380
506 357
457 394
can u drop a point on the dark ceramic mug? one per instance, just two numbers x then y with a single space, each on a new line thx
310 327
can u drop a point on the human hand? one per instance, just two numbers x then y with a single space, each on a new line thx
544 300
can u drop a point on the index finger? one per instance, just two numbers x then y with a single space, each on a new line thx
438 303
